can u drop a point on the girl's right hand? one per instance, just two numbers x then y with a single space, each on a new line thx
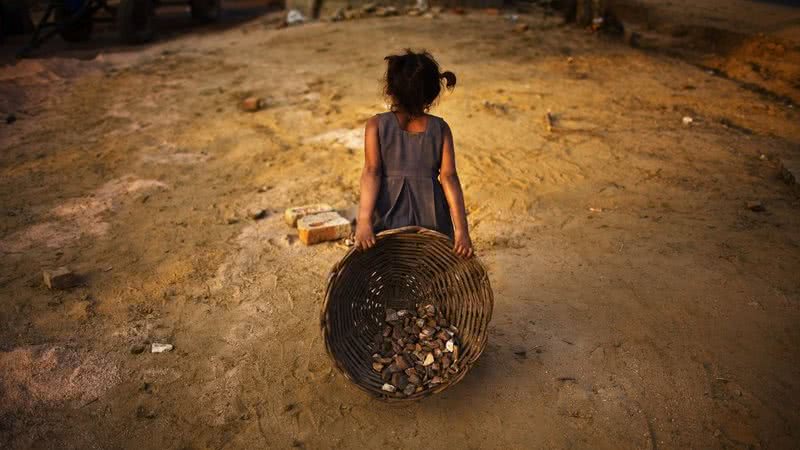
365 238
462 245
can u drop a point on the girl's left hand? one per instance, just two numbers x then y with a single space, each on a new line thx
365 237
462 245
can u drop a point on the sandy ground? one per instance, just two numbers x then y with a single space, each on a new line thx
639 303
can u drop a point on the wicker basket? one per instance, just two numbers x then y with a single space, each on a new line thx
406 267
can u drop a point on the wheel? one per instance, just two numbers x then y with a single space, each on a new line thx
206 10
78 31
135 20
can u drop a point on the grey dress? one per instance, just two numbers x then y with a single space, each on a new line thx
410 192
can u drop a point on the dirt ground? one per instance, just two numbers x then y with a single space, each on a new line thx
638 302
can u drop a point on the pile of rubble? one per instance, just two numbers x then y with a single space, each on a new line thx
415 350
421 8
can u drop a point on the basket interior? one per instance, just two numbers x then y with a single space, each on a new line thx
402 271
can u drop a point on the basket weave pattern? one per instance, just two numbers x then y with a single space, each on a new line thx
406 267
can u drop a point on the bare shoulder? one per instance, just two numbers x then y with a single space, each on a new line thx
372 122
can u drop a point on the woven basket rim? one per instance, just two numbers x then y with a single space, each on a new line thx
336 271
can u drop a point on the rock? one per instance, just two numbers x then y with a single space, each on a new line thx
790 171
401 362
520 28
392 315
428 360
294 17
351 14
449 346
144 413
61 278
11 118
410 388
388 387
160 348
687 120
338 15
755 206
386 11
328 226
253 104
258 214
399 380
369 8
295 213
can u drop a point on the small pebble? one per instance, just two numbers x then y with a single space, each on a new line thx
160 348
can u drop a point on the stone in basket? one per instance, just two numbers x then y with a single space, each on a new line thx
407 270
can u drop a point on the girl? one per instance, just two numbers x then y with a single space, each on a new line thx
409 175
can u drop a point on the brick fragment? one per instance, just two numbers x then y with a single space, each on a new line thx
292 215
253 104
790 171
61 278
327 226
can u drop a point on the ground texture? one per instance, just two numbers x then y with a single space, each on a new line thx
639 302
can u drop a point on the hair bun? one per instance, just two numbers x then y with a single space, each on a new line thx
450 78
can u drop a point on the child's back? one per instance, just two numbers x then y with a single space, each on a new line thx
409 175
410 192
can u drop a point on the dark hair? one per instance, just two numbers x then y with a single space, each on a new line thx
413 81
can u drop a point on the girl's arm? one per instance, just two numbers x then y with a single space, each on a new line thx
370 185
455 197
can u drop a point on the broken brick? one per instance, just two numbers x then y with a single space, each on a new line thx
292 215
327 226
61 278
253 104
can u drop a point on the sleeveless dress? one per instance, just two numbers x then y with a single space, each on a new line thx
410 192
